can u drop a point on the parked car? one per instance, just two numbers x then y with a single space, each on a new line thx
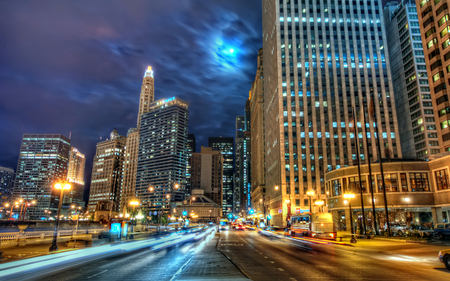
442 230
421 231
444 256
396 228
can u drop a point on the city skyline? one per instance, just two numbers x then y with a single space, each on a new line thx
97 87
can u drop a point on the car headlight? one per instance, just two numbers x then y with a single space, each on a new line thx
440 254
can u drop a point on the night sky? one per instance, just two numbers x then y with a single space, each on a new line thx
77 66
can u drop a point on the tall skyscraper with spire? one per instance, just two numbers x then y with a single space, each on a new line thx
147 96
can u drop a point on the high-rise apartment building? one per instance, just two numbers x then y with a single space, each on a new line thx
226 147
162 153
320 59
75 175
239 164
191 148
434 27
43 161
207 172
6 186
128 183
107 172
258 171
417 125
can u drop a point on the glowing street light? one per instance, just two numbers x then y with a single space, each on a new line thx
319 203
349 197
231 50
62 187
133 203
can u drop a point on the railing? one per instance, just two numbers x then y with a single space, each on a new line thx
14 236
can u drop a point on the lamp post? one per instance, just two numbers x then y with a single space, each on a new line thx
310 194
349 197
319 203
62 187
25 205
133 203
150 189
210 215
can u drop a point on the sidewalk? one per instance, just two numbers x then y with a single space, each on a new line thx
211 264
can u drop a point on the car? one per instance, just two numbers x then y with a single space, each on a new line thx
421 231
239 227
442 230
396 228
444 256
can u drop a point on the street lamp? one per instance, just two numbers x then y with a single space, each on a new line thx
133 203
319 203
349 197
62 187
310 194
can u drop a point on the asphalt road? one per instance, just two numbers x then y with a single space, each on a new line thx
269 258
140 265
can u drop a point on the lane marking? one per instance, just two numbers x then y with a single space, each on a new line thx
272 262
280 269
293 279
97 274
265 257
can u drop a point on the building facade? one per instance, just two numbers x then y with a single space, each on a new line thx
247 144
417 192
162 155
207 173
75 175
43 161
434 28
417 125
320 59
6 188
239 164
191 148
226 146
258 170
107 172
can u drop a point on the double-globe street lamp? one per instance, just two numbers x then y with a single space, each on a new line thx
62 187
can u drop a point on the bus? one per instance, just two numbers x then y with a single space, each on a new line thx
322 226
223 224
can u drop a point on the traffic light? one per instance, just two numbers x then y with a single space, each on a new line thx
230 216
269 217
184 213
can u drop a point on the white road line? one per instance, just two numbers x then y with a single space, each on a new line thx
293 279
280 269
271 261
265 257
97 274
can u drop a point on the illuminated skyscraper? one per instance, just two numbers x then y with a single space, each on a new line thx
43 161
107 171
6 187
434 27
191 147
320 59
162 154
416 120
226 147
128 182
75 175
238 164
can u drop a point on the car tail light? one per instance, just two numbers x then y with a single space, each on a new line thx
313 235
331 235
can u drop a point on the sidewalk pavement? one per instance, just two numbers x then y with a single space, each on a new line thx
211 264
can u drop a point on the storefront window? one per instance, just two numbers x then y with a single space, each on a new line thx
344 185
336 188
442 180
404 182
419 182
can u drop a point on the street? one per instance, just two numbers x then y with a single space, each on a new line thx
140 265
269 258
261 257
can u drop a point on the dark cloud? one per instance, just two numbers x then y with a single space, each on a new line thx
77 66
